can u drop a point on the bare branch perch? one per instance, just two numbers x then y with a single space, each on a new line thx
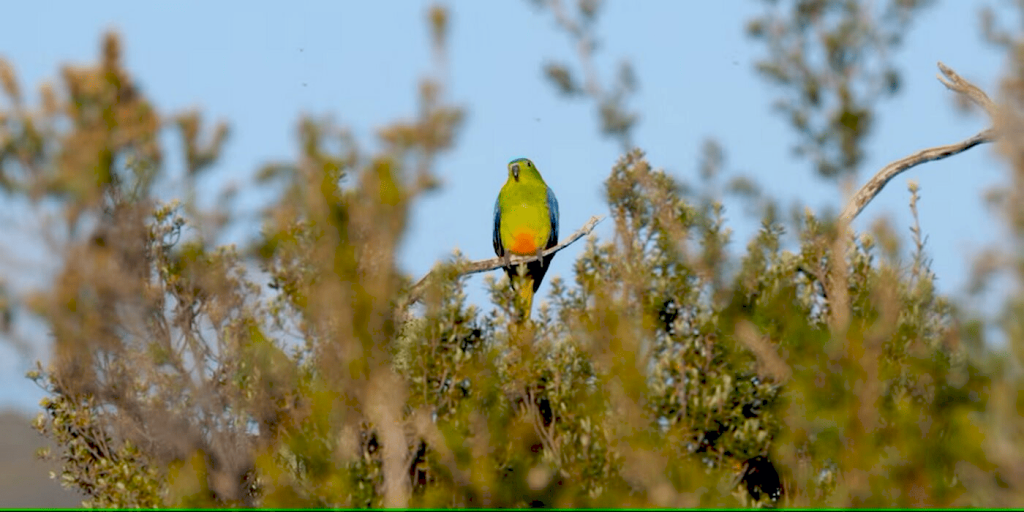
874 186
473 267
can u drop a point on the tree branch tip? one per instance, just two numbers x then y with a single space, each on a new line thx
946 70
954 82
951 79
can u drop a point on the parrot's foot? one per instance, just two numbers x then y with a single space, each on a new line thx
540 257
508 261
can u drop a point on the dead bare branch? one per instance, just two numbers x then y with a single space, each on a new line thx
874 186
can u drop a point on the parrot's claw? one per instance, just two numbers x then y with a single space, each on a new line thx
540 257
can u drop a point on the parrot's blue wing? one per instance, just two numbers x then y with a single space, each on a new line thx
553 213
499 249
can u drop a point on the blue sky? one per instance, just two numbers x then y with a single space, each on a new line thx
259 65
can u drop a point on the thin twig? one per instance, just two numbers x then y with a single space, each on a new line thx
767 355
874 186
473 267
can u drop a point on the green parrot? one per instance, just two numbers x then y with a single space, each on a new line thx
525 223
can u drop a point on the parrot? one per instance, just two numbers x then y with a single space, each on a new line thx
525 223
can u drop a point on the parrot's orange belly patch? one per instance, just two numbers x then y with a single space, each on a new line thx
524 243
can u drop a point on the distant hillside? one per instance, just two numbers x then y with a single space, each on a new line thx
24 479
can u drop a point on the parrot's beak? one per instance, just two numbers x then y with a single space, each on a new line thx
515 171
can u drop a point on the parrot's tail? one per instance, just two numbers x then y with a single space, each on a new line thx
524 296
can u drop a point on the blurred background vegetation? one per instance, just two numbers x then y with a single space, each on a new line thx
667 372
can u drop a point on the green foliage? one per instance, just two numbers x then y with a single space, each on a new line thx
832 61
616 119
112 473
811 367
